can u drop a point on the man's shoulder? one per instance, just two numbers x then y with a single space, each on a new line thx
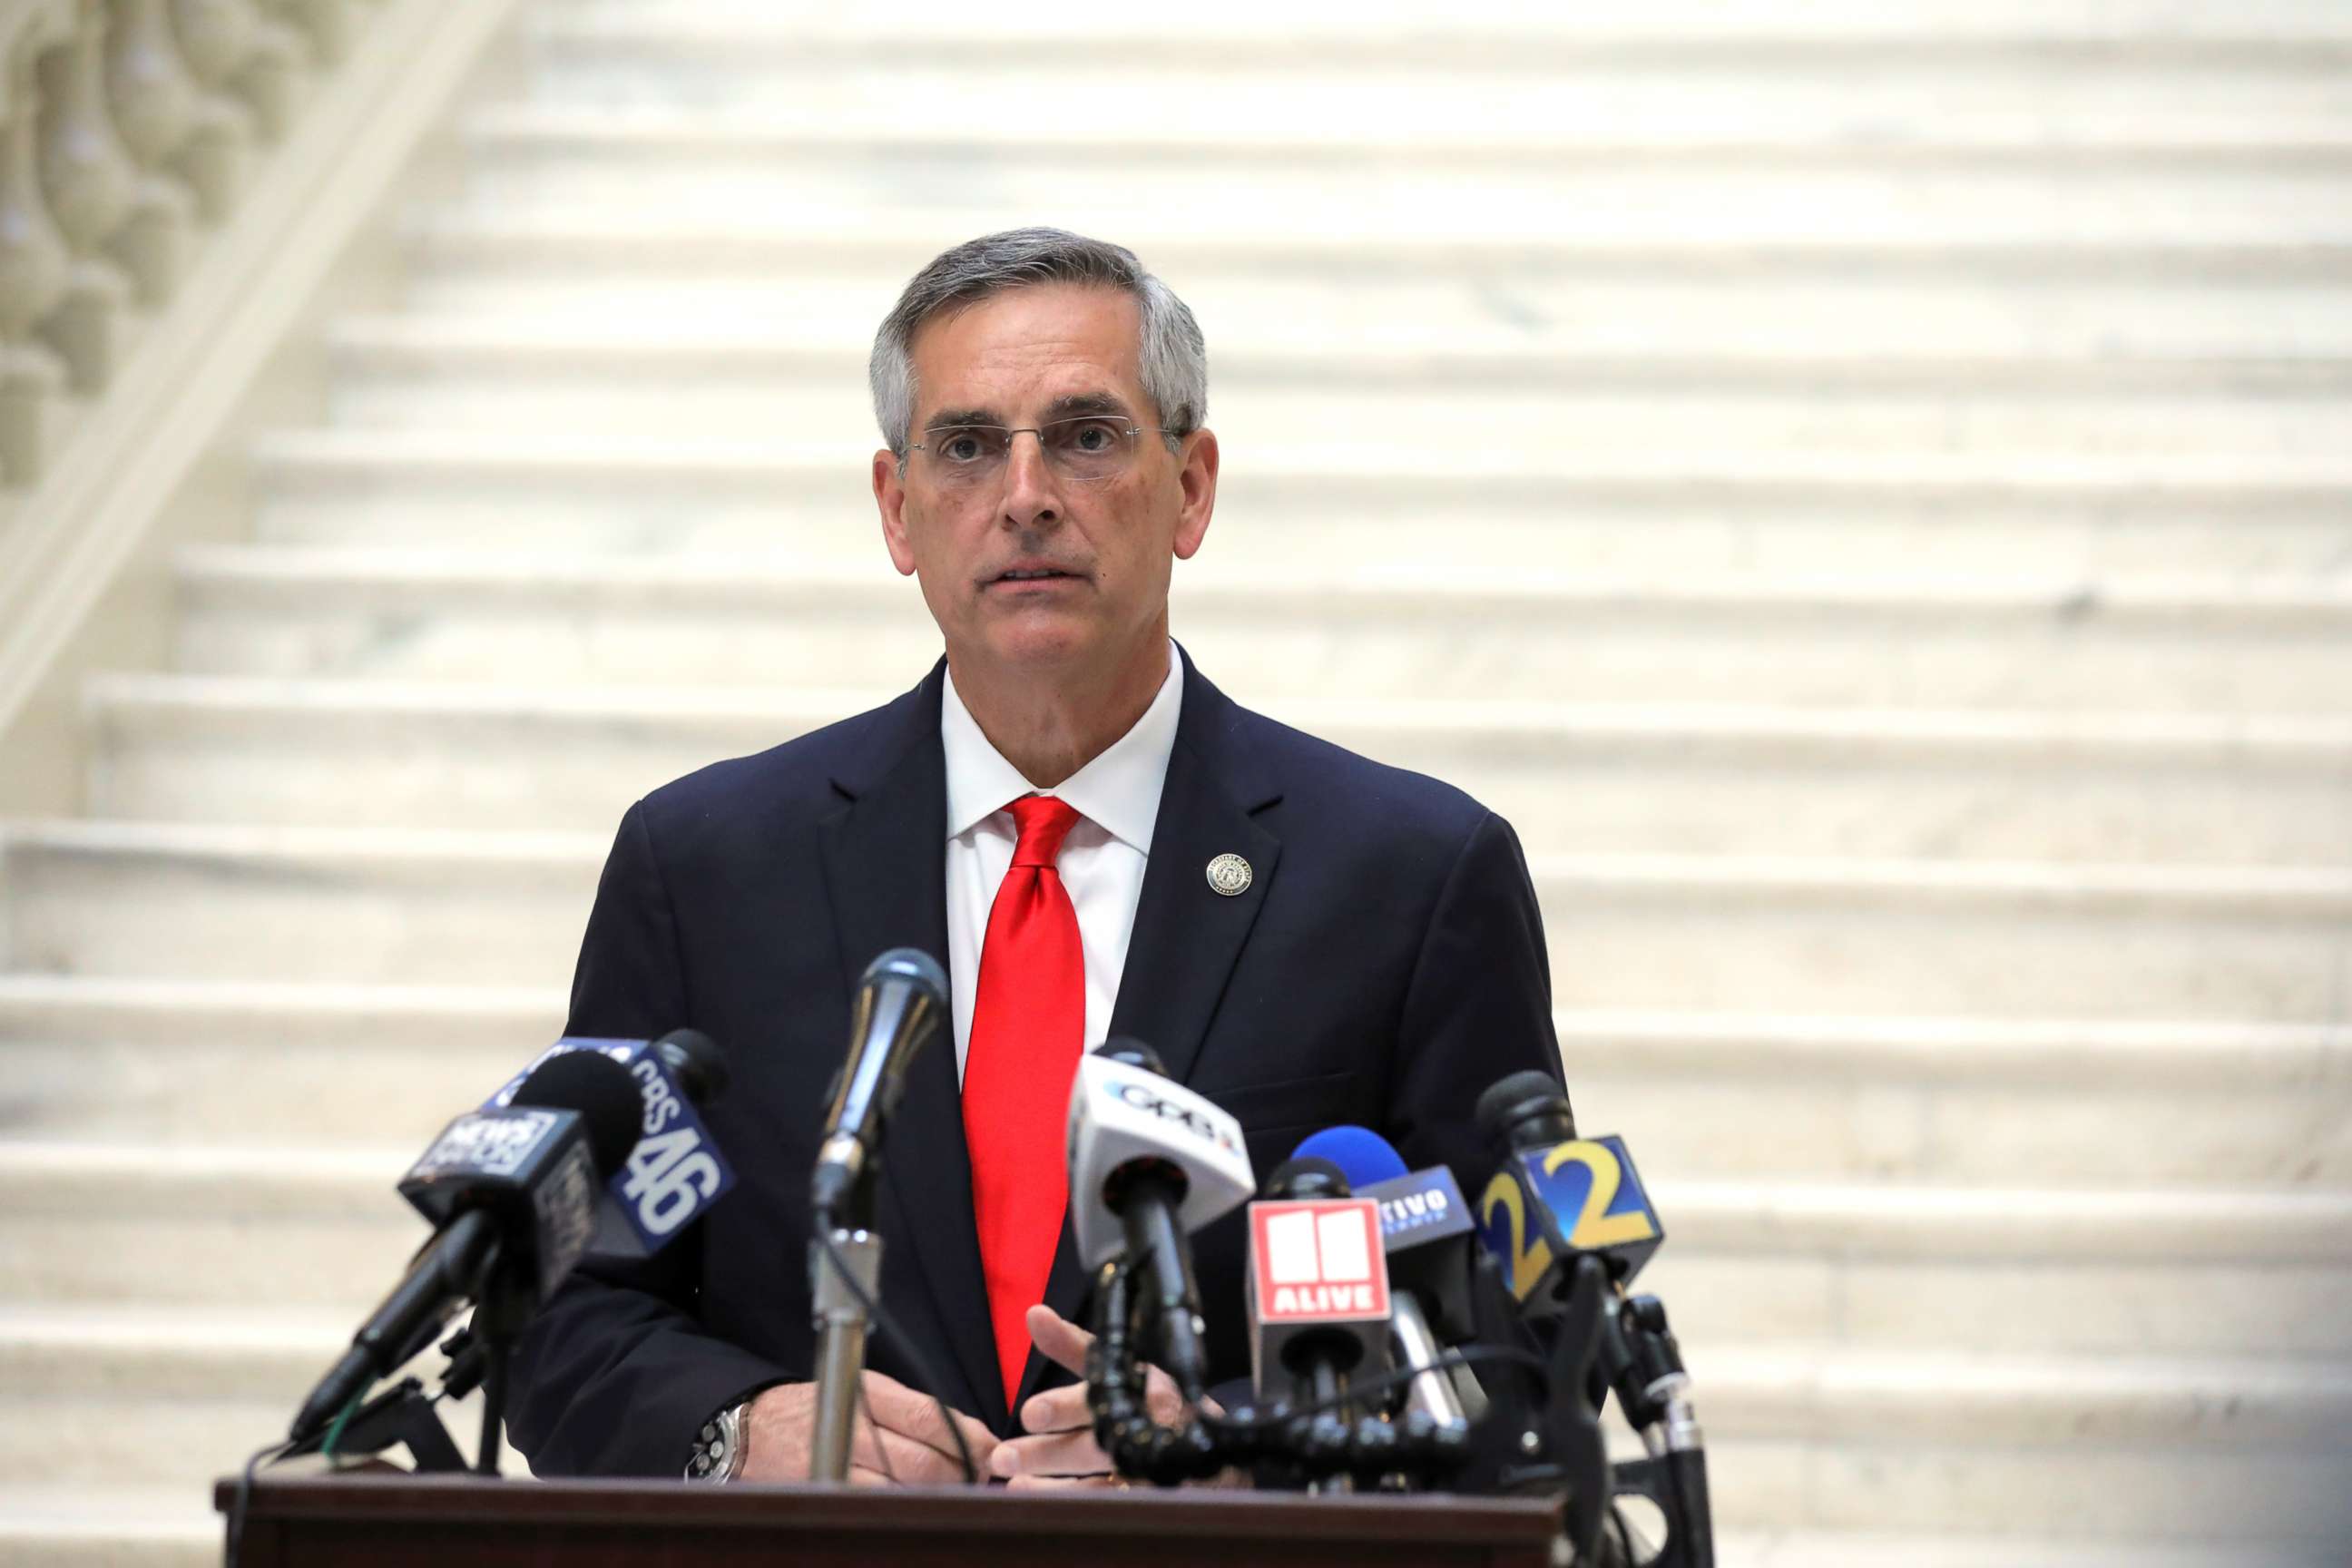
793 779
1331 790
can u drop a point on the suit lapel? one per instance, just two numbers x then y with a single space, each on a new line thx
1187 935
885 874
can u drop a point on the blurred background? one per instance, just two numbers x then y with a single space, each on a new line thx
1865 488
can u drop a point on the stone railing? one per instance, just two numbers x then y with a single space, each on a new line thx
131 129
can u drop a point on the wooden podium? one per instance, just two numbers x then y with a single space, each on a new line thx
394 1520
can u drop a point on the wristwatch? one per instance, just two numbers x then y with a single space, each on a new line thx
720 1447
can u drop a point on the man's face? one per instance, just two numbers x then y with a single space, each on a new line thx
977 545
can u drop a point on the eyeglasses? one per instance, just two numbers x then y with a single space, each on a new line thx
1085 451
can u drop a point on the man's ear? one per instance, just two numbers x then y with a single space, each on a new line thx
890 500
1198 480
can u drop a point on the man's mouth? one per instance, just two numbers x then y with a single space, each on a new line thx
1031 574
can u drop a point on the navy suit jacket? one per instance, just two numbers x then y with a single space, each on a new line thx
1384 965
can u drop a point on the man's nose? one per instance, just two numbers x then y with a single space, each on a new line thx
1031 497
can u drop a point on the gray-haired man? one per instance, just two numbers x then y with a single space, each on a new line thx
1095 839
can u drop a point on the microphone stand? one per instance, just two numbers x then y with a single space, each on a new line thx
1645 1365
844 1274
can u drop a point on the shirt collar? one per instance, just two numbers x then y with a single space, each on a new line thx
1119 790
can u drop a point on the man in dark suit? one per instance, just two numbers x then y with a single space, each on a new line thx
1096 840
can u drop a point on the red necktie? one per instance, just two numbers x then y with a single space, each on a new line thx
1028 1021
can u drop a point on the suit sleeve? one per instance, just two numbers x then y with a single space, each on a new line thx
1479 1006
616 1374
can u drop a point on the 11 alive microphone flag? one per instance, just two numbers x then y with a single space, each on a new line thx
674 1174
1316 1265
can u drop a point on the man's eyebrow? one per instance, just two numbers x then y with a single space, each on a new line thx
1076 405
963 417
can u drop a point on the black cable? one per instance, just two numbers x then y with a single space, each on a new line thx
884 1324
243 1498
1466 1355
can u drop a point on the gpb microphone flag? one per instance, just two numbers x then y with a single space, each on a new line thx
1122 1112
675 1172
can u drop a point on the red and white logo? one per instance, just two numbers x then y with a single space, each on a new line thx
1319 1260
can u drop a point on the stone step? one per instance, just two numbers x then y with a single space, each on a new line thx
610 237
2253 945
1614 778
99 1526
1921 515
1730 201
2184 645
1704 1096
879 114
1351 342
1737 328
673 393
1512 33
1800 1436
2139 1272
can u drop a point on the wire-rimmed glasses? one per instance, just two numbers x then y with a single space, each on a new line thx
1084 449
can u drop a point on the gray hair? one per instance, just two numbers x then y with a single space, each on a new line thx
1174 355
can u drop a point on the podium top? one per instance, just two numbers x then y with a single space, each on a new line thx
381 1520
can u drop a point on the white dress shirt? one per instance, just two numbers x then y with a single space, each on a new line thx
1116 796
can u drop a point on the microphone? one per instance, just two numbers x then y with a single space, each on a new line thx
1318 1285
1150 1162
1563 1214
674 1170
900 1004
512 1191
1557 1195
1426 1232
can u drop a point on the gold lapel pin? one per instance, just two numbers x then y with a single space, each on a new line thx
1229 875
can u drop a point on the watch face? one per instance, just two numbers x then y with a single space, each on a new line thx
715 1449
710 1453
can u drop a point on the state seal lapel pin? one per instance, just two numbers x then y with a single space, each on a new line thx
1229 875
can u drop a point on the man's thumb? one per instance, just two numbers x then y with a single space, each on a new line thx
1058 1340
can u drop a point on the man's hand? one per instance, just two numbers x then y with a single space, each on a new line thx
1060 1448
908 1441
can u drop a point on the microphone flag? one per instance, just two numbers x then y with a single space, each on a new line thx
674 1173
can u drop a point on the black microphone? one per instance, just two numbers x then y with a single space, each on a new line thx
510 1188
1557 1195
900 1004
1427 1232
1568 1218
1318 1284
697 1064
1149 1163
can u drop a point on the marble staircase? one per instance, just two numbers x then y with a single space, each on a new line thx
1864 488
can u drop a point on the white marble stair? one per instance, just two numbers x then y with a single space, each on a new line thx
1387 630
1802 1435
1922 1102
1890 782
378 906
2149 1272
772 502
1776 407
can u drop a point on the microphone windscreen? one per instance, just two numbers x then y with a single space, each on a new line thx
1362 1155
1307 1178
1510 1100
911 965
694 1059
1133 1052
611 1107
